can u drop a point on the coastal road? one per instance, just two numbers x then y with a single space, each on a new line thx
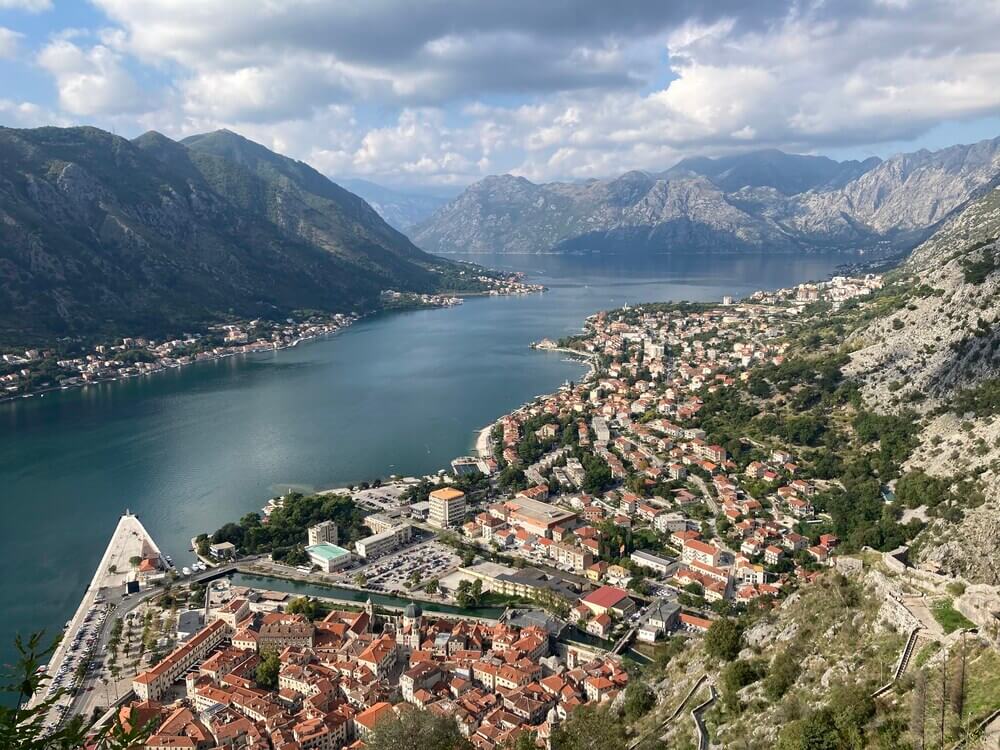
83 700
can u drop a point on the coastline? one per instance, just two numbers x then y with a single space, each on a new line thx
209 357
482 448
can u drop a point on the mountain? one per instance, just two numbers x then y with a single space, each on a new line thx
99 234
789 174
933 350
400 209
764 200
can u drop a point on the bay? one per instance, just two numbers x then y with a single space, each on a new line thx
190 449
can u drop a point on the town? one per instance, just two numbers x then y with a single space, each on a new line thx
599 521
34 371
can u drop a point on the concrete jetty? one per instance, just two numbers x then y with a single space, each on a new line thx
106 590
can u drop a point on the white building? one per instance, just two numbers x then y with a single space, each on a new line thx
323 532
384 542
447 508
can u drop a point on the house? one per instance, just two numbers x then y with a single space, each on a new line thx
609 599
773 554
600 625
697 550
659 565
660 619
695 624
819 553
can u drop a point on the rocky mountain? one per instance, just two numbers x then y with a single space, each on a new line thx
765 200
401 209
934 349
100 234
789 174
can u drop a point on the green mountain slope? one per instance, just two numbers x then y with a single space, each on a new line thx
103 235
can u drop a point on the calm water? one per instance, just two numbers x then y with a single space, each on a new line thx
404 393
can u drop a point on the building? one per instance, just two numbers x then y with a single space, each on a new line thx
447 508
279 634
328 557
153 683
365 721
609 599
535 517
660 619
571 556
222 550
659 565
696 550
384 542
323 532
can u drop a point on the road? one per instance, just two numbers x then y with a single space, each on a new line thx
90 692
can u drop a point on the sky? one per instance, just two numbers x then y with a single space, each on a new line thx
440 93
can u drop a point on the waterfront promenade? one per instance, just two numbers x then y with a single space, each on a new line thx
130 540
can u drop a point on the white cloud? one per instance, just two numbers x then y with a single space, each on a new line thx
447 91
32 6
28 115
91 81
9 42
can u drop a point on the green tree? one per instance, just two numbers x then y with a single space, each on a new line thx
639 699
722 640
267 670
590 727
417 730
26 729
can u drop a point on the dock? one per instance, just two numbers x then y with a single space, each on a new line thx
86 633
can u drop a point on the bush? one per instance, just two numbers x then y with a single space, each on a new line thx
723 639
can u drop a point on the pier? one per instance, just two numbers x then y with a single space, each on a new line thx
87 632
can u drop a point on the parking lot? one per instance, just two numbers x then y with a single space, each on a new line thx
80 660
419 563
377 498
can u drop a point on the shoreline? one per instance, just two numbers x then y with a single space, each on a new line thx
215 357
180 365
482 446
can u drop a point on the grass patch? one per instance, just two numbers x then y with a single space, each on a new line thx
983 695
949 618
925 653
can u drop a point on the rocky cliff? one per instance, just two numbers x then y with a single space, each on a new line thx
934 349
767 200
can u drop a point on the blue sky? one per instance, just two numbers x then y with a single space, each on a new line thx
444 92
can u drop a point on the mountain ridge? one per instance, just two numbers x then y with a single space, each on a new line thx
891 204
101 234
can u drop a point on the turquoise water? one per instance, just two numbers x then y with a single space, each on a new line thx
403 393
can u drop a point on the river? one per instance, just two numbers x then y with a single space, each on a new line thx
401 393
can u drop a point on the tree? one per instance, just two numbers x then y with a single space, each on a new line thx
738 675
722 640
417 730
639 699
469 594
25 728
267 670
590 727
956 692
432 586
135 561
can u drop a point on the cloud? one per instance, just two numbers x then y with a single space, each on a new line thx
28 115
91 81
9 42
32 6
447 91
